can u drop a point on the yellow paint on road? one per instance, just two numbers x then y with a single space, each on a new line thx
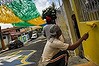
23 61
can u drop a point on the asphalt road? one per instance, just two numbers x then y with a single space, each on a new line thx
28 55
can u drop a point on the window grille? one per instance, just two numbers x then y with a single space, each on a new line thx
87 10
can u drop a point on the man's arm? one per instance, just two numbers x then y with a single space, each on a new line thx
62 38
76 44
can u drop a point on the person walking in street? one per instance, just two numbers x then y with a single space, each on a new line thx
55 51
46 30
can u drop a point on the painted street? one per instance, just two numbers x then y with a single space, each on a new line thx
28 55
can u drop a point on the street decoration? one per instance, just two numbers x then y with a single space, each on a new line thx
20 13
7 16
22 24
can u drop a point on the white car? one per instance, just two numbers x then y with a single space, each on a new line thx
34 35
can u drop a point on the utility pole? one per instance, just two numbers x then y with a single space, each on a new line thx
1 38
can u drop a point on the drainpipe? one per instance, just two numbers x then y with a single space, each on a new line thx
2 41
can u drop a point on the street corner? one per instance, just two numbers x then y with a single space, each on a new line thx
18 58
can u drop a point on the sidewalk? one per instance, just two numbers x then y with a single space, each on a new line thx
1 51
86 64
77 61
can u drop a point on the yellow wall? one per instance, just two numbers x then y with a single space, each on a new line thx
91 45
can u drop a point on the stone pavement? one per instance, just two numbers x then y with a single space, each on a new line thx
86 64
77 61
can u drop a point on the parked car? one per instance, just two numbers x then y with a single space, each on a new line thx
15 44
34 35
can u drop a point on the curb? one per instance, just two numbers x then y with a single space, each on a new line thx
4 50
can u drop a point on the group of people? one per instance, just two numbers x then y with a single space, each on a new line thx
55 51
15 43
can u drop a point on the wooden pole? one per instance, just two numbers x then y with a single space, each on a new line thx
2 41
